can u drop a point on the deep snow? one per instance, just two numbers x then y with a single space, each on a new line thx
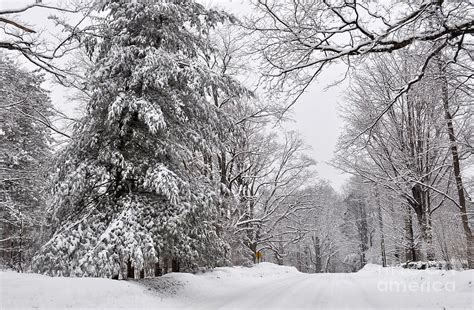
264 286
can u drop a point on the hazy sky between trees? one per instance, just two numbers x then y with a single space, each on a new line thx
315 115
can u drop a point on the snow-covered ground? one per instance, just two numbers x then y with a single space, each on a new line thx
265 286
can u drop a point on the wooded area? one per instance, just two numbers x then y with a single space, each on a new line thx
179 161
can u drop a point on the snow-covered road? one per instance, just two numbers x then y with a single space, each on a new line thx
301 291
265 286
273 287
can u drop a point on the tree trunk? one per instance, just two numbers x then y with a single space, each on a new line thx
20 245
410 252
427 232
279 254
317 254
363 234
174 265
470 252
382 237
165 265
253 248
421 206
299 264
456 167
130 270
328 260
157 269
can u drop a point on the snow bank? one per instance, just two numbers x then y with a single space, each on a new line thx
372 268
27 290
256 271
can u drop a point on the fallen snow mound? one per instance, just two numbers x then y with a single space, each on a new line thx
372 268
28 290
259 270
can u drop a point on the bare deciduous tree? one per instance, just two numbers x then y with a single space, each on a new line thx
36 46
299 39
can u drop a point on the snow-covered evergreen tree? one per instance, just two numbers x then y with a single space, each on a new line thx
24 149
132 186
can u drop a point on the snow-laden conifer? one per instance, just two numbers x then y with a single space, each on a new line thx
132 186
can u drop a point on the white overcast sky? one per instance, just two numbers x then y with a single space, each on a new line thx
315 114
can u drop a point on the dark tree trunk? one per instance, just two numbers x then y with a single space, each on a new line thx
253 248
317 254
20 247
363 234
130 270
174 265
382 237
158 269
457 168
165 265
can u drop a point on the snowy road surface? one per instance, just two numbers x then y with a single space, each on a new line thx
265 286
